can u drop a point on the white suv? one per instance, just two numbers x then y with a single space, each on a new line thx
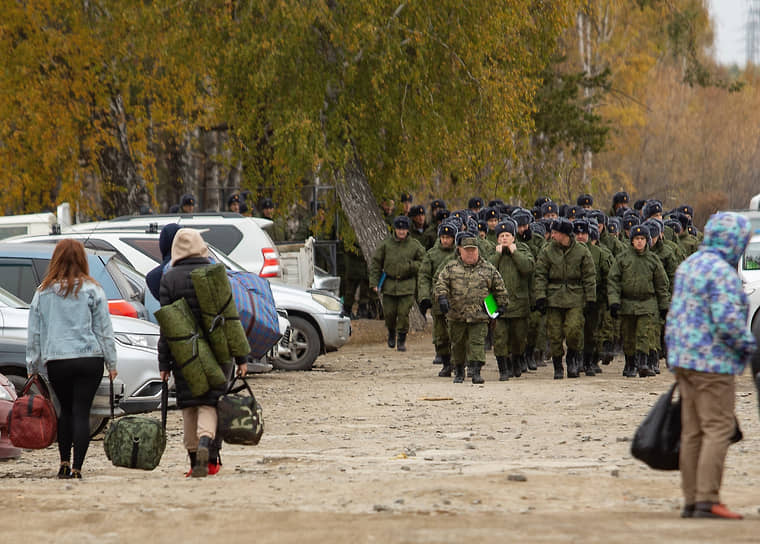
242 238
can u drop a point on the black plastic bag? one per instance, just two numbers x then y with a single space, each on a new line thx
657 441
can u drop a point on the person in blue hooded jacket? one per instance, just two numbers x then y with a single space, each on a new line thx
708 343
165 239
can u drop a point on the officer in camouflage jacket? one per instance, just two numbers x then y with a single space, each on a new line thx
460 289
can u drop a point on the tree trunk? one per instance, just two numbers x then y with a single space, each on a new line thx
363 214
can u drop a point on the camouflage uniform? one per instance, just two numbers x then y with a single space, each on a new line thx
431 266
638 285
566 278
400 260
511 328
536 335
465 286
592 316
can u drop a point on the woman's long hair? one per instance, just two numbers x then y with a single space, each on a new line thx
68 267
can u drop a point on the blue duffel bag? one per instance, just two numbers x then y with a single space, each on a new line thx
258 314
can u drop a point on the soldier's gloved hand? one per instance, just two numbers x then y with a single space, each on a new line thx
443 304
663 314
541 305
614 309
425 305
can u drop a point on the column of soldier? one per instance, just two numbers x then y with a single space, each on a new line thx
566 282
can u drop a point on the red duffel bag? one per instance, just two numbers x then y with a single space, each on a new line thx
33 422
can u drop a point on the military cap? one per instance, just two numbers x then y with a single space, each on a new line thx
621 197
640 230
580 226
599 216
187 200
475 202
496 203
655 226
482 226
651 208
447 229
406 197
630 221
686 209
233 198
563 210
456 221
622 210
174 208
540 201
538 228
639 204
522 216
683 219
472 226
507 225
691 229
491 213
266 203
460 214
674 224
562 225
585 200
465 239
577 212
414 211
402 222
437 204
614 225
441 214
593 231
549 207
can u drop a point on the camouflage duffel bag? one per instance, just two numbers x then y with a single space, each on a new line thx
137 441
240 419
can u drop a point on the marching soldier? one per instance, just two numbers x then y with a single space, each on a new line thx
491 219
462 285
565 284
638 291
419 227
397 260
442 252
536 333
515 263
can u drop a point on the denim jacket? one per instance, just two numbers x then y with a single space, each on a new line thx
69 327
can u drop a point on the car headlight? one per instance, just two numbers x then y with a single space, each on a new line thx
331 303
134 339
5 394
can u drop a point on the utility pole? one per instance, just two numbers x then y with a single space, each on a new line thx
752 32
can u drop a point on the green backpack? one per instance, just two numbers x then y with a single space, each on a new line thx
137 441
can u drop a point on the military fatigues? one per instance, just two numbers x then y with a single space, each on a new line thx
400 260
536 336
431 266
670 260
355 276
566 278
422 236
511 328
465 286
689 244
639 285
594 311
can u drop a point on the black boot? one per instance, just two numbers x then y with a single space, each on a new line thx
595 363
475 372
362 312
523 362
516 365
458 373
572 364
347 310
538 356
587 368
657 365
607 352
446 370
652 361
559 371
501 362
391 338
528 356
437 360
401 346
629 370
641 364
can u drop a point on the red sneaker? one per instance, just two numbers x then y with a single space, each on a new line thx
214 468
715 510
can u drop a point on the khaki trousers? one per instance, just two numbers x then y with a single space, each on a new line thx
198 421
707 425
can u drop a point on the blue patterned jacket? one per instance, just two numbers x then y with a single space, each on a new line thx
706 328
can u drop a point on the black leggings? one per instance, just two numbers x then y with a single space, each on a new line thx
75 382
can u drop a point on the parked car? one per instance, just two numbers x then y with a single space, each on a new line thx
749 263
317 323
7 396
138 384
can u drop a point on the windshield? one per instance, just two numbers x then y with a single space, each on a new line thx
751 259
223 258
9 300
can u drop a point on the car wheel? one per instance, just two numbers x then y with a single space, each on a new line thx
97 425
304 346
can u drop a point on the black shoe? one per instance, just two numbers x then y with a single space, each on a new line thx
200 468
401 345
629 370
64 472
641 364
391 338
514 363
475 372
501 362
458 373
446 369
587 368
688 511
559 371
529 360
362 312
75 474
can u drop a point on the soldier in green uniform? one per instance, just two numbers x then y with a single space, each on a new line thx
406 203
515 263
462 285
398 257
565 284
277 231
532 357
442 252
689 244
420 227
437 216
475 204
637 290
670 261
619 200
593 311
585 201
604 318
388 207
491 217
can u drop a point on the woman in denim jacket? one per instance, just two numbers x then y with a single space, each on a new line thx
70 334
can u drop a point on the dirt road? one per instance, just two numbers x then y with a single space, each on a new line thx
357 451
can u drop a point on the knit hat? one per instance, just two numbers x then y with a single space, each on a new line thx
188 243
563 225
402 222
